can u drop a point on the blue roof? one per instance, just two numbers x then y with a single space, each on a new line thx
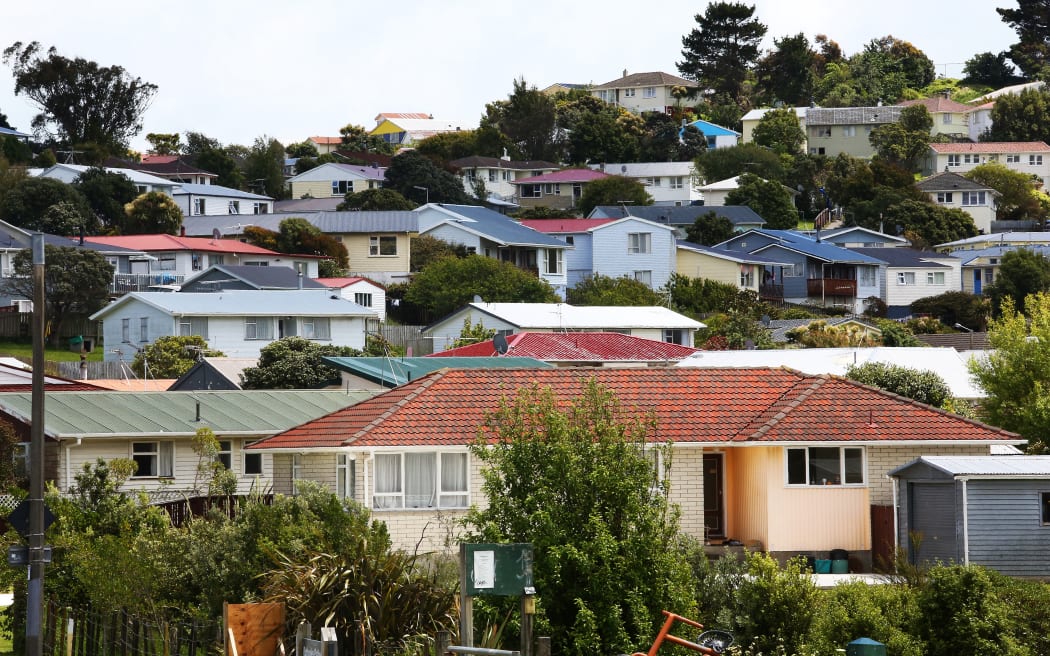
8 132
500 228
733 256
821 250
392 372
712 130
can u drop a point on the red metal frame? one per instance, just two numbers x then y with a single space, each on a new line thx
665 635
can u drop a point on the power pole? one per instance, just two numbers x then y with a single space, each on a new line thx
35 597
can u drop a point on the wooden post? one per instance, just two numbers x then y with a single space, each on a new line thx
528 608
302 632
466 602
444 639
543 646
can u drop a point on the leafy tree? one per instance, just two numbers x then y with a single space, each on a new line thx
905 142
298 236
1015 374
25 205
723 46
427 249
886 68
154 212
446 285
1021 117
264 168
15 150
539 212
473 333
295 363
381 199
164 144
926 224
987 69
260 237
210 470
445 147
724 163
613 190
779 130
356 139
922 385
605 290
710 229
107 193
4 123
76 283
1022 272
1017 191
818 334
895 334
970 310
664 140
210 155
85 102
527 119
786 73
411 169
1030 20
171 356
302 149
770 200
597 131
579 484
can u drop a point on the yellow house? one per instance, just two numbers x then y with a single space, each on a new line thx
334 179
950 118
748 272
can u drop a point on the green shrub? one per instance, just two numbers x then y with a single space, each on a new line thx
855 610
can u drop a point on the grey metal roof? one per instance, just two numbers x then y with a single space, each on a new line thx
853 115
120 414
500 228
215 190
260 277
779 328
679 215
326 222
994 466
809 246
307 204
392 372
904 257
948 181
246 302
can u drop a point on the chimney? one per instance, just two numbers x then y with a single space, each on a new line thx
625 72
299 271
182 231
81 235
198 411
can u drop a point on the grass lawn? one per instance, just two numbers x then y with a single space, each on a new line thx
24 349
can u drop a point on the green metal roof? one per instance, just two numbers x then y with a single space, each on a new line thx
119 414
392 372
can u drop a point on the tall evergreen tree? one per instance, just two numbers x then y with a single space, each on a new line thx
722 48
786 73
1031 21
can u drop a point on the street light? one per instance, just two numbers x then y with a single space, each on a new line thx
424 189
969 330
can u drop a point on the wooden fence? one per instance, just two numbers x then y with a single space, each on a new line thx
19 325
410 337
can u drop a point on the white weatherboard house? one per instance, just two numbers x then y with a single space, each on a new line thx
239 323
657 323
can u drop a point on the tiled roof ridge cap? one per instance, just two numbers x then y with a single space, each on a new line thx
422 386
809 388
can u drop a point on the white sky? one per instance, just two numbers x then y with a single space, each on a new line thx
239 69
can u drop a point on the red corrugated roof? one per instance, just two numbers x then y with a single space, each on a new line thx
564 225
172 243
991 147
568 175
742 406
578 347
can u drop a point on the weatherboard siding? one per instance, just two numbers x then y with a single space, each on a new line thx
160 323
700 265
1005 526
361 260
579 259
454 235
611 256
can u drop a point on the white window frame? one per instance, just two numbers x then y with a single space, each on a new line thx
233 207
363 299
188 326
639 243
397 499
252 326
261 207
252 462
935 278
316 328
676 182
225 454
378 243
906 278
199 206
342 187
954 160
1035 160
644 276
649 92
125 330
796 270
842 474
143 329
555 257
297 471
944 197
345 475
1013 158
973 198
849 130
628 93
160 453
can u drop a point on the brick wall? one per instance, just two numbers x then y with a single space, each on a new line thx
883 459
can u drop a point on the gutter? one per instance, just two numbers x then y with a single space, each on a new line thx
69 469
966 520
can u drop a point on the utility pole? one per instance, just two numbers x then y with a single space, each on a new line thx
35 597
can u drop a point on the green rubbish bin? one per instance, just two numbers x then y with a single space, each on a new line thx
865 647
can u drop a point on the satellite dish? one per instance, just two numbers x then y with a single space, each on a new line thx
765 320
216 233
477 298
623 168
500 342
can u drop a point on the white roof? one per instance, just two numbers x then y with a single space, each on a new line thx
997 466
646 169
757 114
946 362
728 184
1001 238
70 172
563 315
245 302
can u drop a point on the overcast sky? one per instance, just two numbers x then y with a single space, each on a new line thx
239 69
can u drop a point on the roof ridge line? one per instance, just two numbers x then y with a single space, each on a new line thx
422 385
808 390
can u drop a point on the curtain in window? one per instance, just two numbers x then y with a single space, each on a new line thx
420 480
199 326
387 492
322 328
166 464
453 480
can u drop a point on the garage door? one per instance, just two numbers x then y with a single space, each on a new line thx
932 517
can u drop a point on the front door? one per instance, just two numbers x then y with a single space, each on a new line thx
714 493
976 281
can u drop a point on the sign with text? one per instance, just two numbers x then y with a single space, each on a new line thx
498 569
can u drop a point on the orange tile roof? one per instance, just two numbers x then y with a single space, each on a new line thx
991 147
719 406
172 243
327 141
577 347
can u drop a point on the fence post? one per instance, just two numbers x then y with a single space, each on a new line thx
302 632
543 646
70 625
444 639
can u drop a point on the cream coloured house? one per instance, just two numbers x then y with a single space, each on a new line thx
643 92
950 118
952 190
1028 157
334 179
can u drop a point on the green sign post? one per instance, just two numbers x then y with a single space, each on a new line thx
503 570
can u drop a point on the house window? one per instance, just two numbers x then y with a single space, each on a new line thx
166 263
905 277
233 207
934 277
652 182
552 189
198 206
628 93
947 119
363 298
530 191
825 466
1035 160
382 245
849 130
972 159
676 182
195 262
506 175
674 336
317 328
822 131
258 328
342 187
570 240
420 480
970 198
493 175
143 329
944 197
866 276
1013 159
193 326
953 160
154 459
297 471
345 476
125 331
644 277
260 208
747 276
639 242
796 270
553 262
225 454
649 92
253 464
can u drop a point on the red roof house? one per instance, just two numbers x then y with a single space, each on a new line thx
792 462
557 190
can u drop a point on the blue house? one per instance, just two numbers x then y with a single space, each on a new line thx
717 136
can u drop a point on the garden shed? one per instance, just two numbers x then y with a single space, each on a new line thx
985 510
